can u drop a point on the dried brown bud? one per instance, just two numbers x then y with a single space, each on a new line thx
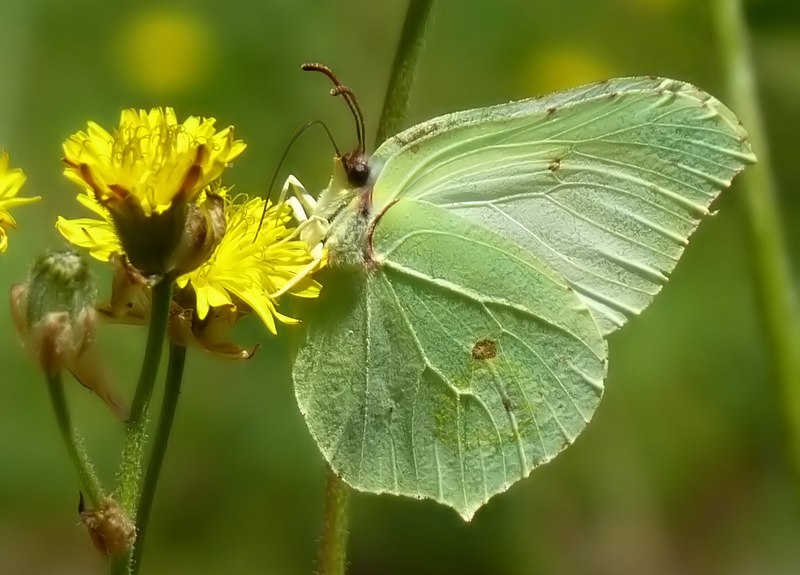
111 530
204 230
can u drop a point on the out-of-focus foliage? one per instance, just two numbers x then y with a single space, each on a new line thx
682 469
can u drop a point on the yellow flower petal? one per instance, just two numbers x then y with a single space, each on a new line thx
149 157
98 236
244 268
10 183
147 173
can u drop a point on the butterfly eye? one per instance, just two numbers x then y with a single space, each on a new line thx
358 172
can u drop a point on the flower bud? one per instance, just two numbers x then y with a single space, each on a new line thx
54 314
203 231
54 309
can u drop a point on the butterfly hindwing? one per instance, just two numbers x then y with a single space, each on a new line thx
452 367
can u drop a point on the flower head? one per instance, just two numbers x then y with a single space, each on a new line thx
254 269
10 183
147 173
246 272
54 314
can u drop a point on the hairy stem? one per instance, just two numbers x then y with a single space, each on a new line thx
395 103
333 551
779 310
162 294
172 390
130 471
80 461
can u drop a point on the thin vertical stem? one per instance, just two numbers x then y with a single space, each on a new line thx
136 432
773 276
395 104
88 479
333 546
130 471
172 391
162 294
333 551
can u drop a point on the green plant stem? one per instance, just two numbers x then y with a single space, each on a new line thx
333 551
162 295
130 470
136 432
773 276
395 103
333 544
88 479
172 390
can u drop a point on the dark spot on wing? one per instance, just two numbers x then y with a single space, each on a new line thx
551 110
484 349
613 95
555 165
508 405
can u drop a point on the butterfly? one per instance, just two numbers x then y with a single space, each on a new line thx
477 263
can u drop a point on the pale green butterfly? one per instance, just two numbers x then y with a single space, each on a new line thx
478 261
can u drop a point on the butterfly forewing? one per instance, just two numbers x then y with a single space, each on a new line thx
453 367
605 183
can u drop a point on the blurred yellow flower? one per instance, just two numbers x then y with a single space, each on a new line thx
561 67
244 271
147 173
10 183
163 51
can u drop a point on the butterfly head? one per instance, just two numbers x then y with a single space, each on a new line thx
356 163
356 166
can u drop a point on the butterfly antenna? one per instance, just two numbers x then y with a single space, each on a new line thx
299 132
349 97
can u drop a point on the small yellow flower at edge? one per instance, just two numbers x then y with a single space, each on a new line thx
147 173
10 183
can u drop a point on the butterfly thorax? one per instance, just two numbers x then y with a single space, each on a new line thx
347 208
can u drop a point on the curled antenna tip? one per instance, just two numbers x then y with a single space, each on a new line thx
340 89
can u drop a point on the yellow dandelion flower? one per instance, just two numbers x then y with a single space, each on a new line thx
146 173
10 183
254 272
244 271
150 158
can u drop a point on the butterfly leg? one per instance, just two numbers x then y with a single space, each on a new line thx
312 228
299 199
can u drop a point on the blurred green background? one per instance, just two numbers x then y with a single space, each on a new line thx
683 469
